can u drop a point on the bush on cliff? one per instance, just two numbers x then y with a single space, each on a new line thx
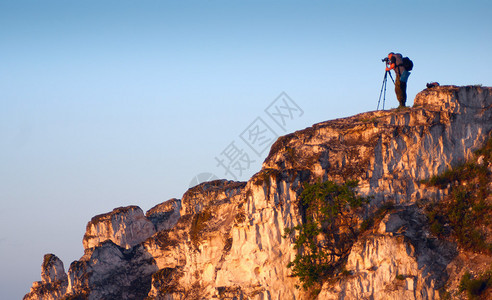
466 214
328 230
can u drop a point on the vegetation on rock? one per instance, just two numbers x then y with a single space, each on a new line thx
328 231
475 287
466 214
377 216
198 225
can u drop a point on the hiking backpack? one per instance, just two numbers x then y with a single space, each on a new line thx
407 64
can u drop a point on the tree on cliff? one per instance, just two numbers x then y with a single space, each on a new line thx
329 228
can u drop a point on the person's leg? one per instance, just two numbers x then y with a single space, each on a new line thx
403 87
400 91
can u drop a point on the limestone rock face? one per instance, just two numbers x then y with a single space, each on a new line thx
395 261
229 228
200 196
165 215
225 239
109 271
258 251
124 226
54 281
202 232
52 269
390 152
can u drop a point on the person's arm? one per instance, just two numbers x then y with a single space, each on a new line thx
391 67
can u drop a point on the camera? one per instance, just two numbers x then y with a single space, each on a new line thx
386 60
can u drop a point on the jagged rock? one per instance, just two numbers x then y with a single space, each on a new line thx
125 226
165 215
396 261
200 196
258 252
109 271
200 240
54 281
170 247
225 239
52 269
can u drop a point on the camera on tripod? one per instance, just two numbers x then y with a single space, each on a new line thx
383 88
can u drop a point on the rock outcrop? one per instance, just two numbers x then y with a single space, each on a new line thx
54 281
109 271
125 226
226 239
165 215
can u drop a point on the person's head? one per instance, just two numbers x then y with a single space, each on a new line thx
390 55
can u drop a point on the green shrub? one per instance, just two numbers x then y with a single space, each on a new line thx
328 230
465 212
462 172
400 277
474 287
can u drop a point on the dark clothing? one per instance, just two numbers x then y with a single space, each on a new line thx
397 59
401 78
401 91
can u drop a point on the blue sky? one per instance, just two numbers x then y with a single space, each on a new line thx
113 103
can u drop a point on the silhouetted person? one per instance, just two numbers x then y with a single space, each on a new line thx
402 71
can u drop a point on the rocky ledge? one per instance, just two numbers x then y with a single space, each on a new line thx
225 240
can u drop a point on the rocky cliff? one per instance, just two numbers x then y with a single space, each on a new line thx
226 239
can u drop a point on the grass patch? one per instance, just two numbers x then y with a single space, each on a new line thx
373 120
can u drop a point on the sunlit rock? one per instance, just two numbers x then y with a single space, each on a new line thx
226 239
124 226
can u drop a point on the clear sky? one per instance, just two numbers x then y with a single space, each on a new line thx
115 103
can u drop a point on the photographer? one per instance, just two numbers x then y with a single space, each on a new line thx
396 63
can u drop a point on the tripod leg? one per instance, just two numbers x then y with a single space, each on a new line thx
391 77
384 97
381 92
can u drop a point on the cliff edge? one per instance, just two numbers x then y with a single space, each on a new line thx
227 240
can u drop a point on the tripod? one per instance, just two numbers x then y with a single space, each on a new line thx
385 79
